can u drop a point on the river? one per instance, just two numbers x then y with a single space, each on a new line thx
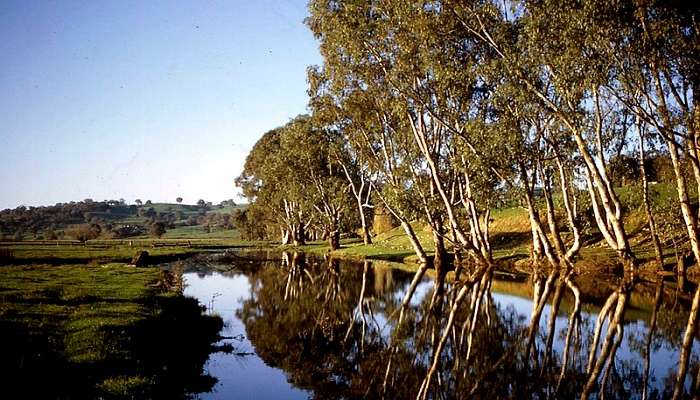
304 327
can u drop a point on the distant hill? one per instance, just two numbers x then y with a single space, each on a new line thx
115 220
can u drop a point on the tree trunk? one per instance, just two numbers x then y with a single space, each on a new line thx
301 235
535 224
334 237
686 210
681 276
658 298
439 261
366 237
422 257
608 348
480 253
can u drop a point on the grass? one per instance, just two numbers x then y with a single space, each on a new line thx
199 232
66 252
509 230
61 254
90 331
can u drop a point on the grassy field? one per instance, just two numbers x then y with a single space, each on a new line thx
100 332
102 251
198 232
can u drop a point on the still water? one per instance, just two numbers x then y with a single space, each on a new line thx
305 327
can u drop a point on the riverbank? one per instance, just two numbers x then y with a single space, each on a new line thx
108 331
511 255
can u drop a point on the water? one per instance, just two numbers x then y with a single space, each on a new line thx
309 328
240 376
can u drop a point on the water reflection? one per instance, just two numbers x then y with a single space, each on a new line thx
346 330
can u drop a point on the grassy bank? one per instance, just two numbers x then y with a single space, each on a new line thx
100 331
510 232
510 238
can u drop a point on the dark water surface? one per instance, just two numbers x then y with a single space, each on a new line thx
306 327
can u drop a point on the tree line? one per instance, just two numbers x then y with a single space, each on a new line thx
88 219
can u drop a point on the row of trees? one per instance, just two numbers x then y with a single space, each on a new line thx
440 111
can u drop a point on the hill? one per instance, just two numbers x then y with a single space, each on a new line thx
113 219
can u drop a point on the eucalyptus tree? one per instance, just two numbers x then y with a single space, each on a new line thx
273 181
647 55
436 70
293 175
322 177
368 108
550 50
347 149
423 86
266 181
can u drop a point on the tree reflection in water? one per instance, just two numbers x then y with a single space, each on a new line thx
351 332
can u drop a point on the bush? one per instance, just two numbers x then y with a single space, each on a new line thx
50 235
157 229
126 231
84 232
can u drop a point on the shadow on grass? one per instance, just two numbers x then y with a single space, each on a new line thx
510 240
161 356
396 257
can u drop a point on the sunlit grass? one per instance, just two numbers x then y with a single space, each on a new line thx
80 303
98 320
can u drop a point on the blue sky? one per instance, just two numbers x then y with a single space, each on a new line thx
143 99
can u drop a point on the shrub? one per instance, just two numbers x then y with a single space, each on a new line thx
84 232
157 229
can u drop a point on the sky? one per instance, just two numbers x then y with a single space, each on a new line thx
143 99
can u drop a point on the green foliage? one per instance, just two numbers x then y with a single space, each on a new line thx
250 223
291 177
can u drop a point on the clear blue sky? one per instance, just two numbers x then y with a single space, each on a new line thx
143 99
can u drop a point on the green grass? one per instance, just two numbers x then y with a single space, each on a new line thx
26 252
394 245
87 328
227 209
509 230
77 305
122 250
199 232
